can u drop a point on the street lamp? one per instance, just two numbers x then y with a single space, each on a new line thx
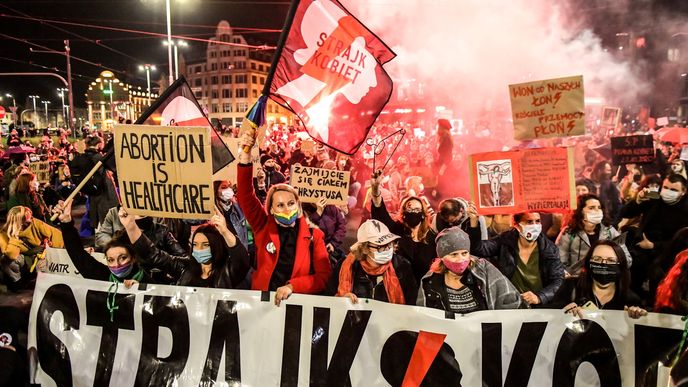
14 110
176 45
46 103
148 68
35 113
61 94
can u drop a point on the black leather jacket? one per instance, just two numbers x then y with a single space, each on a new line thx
186 271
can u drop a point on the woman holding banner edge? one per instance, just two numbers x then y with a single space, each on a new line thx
291 256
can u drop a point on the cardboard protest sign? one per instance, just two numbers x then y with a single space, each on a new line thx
549 108
229 172
314 184
165 171
533 180
610 117
42 170
684 153
632 149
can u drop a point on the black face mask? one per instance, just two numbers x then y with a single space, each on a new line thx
605 273
413 219
268 169
145 223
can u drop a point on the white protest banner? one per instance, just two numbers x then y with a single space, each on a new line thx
684 153
548 108
57 261
165 335
314 184
165 171
42 170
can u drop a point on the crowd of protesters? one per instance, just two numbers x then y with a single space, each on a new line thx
419 240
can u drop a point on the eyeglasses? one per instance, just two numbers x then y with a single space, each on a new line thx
598 259
386 247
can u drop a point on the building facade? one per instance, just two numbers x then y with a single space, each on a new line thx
229 79
108 100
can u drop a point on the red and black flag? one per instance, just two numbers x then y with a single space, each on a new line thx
178 106
330 74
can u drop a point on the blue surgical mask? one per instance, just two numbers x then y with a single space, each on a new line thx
202 256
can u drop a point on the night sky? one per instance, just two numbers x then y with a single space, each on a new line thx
195 18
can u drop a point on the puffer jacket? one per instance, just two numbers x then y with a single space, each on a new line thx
502 251
574 247
364 287
496 290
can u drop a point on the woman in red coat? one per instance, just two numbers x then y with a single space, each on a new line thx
290 256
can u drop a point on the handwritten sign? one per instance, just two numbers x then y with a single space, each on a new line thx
229 172
533 180
165 171
42 170
632 149
314 184
549 108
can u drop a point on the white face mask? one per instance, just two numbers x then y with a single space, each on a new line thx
531 231
594 217
382 257
227 194
669 196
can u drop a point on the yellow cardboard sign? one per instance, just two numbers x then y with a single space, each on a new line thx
165 171
314 184
548 108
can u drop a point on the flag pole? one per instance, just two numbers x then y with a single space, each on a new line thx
255 117
280 45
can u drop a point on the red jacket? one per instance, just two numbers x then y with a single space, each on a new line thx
265 231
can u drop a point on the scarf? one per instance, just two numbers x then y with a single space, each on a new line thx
389 279
110 301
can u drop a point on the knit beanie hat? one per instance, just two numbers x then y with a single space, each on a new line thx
450 240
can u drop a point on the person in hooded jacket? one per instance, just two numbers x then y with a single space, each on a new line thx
219 259
460 283
373 270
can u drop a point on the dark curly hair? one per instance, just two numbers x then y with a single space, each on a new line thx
576 222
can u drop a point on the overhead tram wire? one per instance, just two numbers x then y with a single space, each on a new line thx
184 25
49 24
86 78
249 46
26 41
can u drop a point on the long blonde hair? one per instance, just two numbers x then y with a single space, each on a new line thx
16 217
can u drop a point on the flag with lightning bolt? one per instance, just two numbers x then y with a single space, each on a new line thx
330 74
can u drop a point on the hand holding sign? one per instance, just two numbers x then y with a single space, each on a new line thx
63 210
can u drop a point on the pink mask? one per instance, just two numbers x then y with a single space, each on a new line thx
456 267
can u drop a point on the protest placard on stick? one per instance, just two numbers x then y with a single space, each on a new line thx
548 108
537 180
42 171
633 149
165 171
314 184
